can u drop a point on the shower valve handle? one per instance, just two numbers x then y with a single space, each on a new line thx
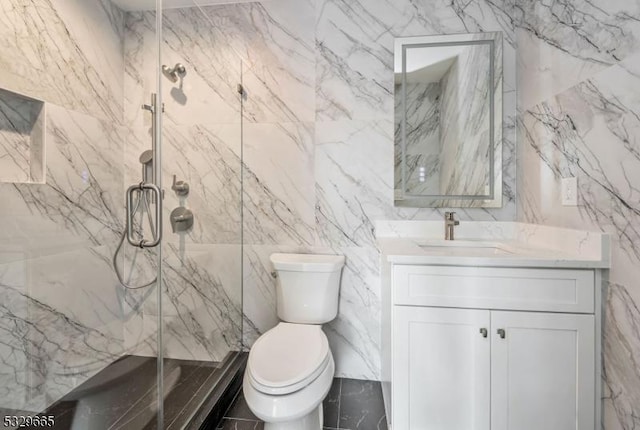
180 187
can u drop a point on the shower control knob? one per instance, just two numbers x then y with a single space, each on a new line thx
181 220
180 187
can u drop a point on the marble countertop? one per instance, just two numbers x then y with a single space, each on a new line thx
493 245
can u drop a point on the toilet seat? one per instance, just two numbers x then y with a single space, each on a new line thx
287 358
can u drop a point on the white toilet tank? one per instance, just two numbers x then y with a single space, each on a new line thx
308 287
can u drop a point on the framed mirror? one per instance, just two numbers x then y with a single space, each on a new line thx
448 121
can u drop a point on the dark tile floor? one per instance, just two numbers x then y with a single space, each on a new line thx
351 404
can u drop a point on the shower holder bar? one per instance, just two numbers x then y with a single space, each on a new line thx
157 237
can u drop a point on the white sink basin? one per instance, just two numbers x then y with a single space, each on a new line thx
465 245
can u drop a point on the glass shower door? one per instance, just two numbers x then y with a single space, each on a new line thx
202 254
78 348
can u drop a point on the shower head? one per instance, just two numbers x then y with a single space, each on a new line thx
146 157
178 71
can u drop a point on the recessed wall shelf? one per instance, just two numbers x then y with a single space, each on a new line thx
22 138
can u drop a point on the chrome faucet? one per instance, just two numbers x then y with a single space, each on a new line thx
449 223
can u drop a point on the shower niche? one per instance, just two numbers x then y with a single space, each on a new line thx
22 136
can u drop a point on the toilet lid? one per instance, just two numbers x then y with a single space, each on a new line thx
287 358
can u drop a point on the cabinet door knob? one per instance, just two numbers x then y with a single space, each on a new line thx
502 333
484 332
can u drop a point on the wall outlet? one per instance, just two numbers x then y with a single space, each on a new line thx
569 191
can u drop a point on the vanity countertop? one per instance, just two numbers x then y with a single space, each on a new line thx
492 244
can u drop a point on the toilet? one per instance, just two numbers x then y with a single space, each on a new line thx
290 367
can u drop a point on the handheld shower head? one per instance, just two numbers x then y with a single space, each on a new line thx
178 71
146 159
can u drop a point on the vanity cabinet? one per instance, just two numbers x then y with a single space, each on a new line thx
493 348
441 369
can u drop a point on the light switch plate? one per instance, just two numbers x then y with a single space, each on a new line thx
569 191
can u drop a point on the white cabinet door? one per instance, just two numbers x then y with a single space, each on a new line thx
542 371
441 368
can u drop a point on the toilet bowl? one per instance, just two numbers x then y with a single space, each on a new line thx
290 367
289 373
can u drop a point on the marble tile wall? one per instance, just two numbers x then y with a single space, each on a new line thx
317 167
316 163
61 318
318 158
70 53
21 138
578 104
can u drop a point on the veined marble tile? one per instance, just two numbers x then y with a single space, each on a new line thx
279 60
64 52
72 328
83 193
279 187
427 17
17 119
354 59
354 336
201 304
354 180
274 42
140 67
588 131
564 137
15 351
60 325
621 345
202 288
84 166
141 335
85 332
208 92
572 41
261 46
208 159
259 292
354 46
97 29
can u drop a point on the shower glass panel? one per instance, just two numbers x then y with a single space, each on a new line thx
78 348
202 245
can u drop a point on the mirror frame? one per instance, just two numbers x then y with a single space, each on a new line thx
494 198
